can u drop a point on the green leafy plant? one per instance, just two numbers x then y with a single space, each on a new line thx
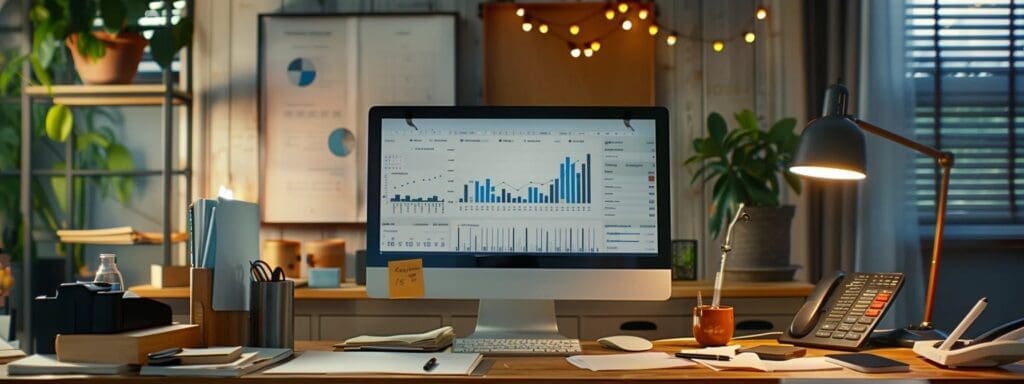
745 163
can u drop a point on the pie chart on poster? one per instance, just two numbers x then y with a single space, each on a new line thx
301 71
341 141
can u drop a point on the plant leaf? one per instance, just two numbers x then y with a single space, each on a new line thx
162 47
182 33
716 128
119 158
59 121
747 120
113 13
41 74
60 185
84 140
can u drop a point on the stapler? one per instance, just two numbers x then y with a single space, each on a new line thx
1000 346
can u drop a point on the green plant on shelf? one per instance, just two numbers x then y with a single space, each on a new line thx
96 146
745 164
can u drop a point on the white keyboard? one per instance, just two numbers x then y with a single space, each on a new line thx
558 347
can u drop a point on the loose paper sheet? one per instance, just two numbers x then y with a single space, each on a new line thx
629 361
751 362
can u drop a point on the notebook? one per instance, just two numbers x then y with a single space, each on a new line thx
429 341
318 362
251 360
214 355
48 365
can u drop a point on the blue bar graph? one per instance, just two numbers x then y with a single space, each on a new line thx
571 186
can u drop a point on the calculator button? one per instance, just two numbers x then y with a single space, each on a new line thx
828 327
823 334
877 305
844 327
860 328
850 319
872 312
866 320
852 336
838 335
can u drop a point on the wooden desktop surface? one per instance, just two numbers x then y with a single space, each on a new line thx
556 369
680 289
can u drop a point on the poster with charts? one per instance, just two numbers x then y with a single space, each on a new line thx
319 76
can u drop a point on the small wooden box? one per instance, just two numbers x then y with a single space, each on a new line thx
167 276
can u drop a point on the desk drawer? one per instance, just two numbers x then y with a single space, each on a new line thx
649 327
343 327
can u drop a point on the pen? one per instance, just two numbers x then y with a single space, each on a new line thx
964 324
701 356
429 366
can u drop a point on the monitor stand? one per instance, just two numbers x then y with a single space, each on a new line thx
516 319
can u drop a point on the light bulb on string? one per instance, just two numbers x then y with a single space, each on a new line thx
542 28
627 25
623 7
718 45
749 37
609 13
671 39
643 13
527 26
653 29
761 13
595 45
574 29
520 12
587 52
574 51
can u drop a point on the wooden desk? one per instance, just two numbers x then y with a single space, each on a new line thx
552 369
680 289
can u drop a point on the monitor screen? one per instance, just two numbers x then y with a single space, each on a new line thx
527 192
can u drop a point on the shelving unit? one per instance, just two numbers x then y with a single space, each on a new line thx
165 95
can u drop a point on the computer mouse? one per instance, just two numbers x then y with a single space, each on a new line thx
626 343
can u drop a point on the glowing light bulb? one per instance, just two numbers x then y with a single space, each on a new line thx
520 12
652 29
588 52
671 39
595 45
527 26
574 29
575 52
627 25
609 13
623 7
749 37
761 13
643 13
543 28
718 45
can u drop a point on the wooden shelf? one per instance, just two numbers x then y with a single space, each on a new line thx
108 95
680 289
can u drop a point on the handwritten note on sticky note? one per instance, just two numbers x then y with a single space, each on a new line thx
405 279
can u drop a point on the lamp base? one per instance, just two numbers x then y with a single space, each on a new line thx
906 337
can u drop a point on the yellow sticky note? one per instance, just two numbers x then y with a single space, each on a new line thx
405 279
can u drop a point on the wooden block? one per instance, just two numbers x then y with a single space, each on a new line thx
167 276
127 347
217 328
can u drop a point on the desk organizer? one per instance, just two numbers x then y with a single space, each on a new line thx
224 328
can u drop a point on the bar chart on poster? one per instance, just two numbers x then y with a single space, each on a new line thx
531 186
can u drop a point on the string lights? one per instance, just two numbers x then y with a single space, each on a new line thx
624 16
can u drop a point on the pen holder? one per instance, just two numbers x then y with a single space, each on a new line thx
271 310
216 328
713 327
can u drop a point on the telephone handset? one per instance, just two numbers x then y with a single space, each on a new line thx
843 310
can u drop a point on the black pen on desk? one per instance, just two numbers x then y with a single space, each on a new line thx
429 366
701 356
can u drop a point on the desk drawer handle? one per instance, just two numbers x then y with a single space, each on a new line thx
638 326
755 325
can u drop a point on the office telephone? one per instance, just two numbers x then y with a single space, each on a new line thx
1001 345
843 310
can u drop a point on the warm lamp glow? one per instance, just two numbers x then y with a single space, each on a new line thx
543 28
225 192
595 45
652 29
643 13
520 12
623 7
609 13
761 13
627 25
574 29
749 37
588 52
527 26
827 173
574 52
718 45
671 39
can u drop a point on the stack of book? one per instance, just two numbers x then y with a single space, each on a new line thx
116 235
429 341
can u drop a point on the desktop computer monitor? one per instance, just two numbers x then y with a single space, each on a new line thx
519 206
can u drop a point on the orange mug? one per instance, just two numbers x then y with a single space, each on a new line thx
713 327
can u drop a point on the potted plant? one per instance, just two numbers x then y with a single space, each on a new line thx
104 36
749 165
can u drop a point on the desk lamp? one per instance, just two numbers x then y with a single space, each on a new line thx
832 147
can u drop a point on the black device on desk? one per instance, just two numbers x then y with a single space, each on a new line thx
93 308
843 310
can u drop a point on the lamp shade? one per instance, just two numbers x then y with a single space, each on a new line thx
831 147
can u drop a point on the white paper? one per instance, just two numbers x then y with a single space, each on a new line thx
628 361
750 361
48 364
318 362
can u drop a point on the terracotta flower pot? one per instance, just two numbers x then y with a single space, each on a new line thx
117 66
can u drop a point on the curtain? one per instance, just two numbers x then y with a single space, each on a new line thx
887 231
